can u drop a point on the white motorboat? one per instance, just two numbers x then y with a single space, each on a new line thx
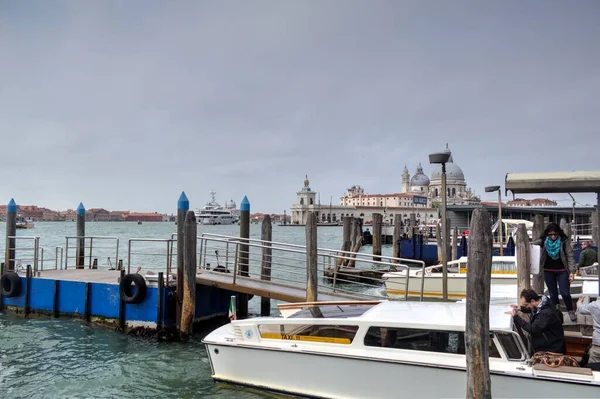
381 350
23 223
214 213
504 280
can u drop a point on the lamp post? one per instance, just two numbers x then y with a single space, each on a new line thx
443 158
491 189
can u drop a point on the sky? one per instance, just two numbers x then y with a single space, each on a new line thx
124 104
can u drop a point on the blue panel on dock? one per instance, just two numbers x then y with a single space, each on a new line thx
42 294
104 300
71 297
144 311
211 301
18 301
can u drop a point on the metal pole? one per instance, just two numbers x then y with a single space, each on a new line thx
444 237
500 227
80 237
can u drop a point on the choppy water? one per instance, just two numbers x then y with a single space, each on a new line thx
41 358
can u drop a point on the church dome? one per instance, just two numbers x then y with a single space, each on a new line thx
419 179
453 171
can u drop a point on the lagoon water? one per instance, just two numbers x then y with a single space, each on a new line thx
46 358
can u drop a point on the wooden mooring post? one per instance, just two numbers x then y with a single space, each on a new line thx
477 327
312 280
357 241
377 223
347 238
523 260
11 231
244 255
183 204
438 241
266 236
455 244
413 223
538 229
80 237
396 237
188 308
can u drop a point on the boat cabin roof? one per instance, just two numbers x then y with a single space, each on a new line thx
430 315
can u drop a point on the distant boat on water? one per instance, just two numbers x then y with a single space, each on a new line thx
23 223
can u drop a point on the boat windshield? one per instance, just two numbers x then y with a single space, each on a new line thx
331 311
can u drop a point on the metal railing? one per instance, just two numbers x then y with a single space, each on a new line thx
94 247
344 272
146 257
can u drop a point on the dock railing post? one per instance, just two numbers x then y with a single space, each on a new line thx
311 258
538 229
183 204
523 260
244 255
11 231
377 222
80 258
396 238
188 308
478 302
266 236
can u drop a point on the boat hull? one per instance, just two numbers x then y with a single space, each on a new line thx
352 376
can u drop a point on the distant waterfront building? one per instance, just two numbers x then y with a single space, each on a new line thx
396 204
537 202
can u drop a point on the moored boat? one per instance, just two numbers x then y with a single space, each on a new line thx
379 350
23 223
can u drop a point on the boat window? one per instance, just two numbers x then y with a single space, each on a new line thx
421 340
331 311
510 345
331 334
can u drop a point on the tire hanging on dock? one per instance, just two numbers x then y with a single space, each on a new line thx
126 288
11 284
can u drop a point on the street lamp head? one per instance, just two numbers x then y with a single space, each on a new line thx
439 157
491 189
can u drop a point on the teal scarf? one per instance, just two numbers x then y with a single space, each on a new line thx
553 247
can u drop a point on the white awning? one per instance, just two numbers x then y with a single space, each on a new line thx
553 182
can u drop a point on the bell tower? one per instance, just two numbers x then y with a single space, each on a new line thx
405 180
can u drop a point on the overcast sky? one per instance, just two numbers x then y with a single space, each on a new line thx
124 104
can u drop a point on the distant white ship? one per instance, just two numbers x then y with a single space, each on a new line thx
215 213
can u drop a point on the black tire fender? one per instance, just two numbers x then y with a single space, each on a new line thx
11 284
126 288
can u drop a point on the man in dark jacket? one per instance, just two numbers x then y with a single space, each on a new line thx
545 327
588 256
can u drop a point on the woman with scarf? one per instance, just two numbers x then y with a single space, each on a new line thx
558 265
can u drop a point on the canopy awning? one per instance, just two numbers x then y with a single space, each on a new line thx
552 182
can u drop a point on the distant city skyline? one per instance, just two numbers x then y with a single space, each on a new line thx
124 105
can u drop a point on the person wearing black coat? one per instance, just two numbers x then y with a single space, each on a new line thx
545 326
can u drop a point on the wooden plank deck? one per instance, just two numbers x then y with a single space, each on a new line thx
246 285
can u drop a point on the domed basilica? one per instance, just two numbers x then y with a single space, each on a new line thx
457 191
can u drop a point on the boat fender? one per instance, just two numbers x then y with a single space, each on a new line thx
126 288
11 284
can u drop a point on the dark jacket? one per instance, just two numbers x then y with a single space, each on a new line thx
587 257
566 253
546 330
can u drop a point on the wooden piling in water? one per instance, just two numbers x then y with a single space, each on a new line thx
523 260
347 239
79 262
413 223
266 236
377 222
537 284
188 308
312 280
479 265
358 236
244 255
183 205
11 231
455 244
396 237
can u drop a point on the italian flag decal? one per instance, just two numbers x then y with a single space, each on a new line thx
232 308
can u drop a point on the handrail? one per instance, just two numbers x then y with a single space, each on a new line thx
90 247
167 255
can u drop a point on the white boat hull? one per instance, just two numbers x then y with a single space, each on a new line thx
352 375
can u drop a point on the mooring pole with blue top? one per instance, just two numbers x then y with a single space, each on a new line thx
80 237
242 306
183 205
11 231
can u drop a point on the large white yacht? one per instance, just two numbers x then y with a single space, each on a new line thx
215 213
382 350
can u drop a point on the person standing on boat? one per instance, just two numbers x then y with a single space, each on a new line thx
588 256
558 265
545 327
592 309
